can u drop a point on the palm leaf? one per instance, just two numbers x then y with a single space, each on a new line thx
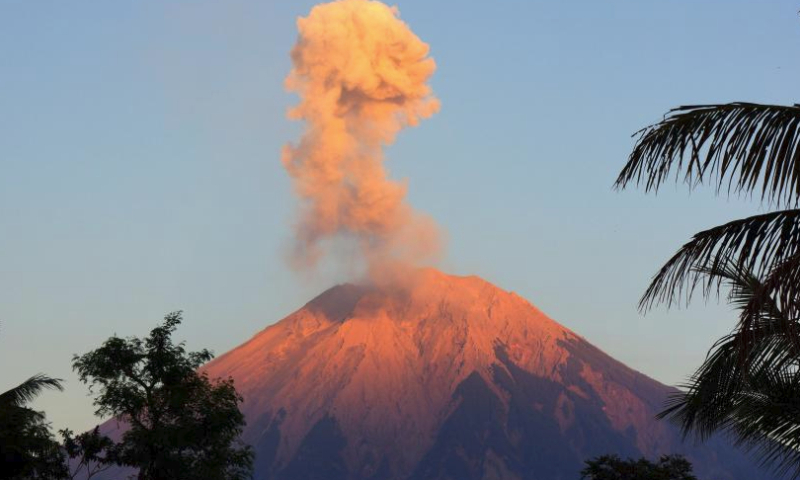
749 384
28 390
783 281
761 243
765 420
744 147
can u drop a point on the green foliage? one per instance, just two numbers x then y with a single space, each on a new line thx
28 449
182 425
611 467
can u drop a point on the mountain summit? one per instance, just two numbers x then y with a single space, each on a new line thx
444 378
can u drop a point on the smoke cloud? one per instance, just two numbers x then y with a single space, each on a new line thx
361 75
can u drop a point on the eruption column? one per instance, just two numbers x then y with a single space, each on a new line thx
361 75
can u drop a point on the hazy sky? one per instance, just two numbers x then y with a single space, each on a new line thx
140 145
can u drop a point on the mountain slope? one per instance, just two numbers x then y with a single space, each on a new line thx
450 377
443 378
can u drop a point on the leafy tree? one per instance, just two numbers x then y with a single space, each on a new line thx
748 385
181 424
611 467
91 451
28 449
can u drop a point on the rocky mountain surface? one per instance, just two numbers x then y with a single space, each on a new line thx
445 377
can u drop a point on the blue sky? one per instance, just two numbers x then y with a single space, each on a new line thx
140 145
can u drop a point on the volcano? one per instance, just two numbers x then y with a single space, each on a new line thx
446 378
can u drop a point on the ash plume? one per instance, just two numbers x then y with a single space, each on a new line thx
361 75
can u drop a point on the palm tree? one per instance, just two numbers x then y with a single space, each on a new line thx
749 384
27 391
749 376
27 448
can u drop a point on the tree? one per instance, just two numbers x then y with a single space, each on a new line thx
28 449
744 149
752 387
611 467
181 424
91 451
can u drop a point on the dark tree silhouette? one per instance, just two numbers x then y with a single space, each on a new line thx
182 425
748 385
741 148
92 453
611 467
28 449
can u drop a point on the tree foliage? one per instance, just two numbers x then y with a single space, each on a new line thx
28 449
181 424
612 467
92 453
748 385
738 147
741 148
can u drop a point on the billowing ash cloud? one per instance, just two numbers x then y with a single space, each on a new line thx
361 75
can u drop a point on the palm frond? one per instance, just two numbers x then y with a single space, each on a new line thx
28 390
765 420
783 282
744 147
760 243
767 333
749 384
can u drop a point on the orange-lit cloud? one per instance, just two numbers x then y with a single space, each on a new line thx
361 75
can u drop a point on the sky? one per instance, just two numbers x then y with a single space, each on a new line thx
140 155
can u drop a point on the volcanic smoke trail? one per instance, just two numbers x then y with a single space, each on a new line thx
361 76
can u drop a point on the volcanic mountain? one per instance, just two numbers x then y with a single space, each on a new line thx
447 378
444 378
